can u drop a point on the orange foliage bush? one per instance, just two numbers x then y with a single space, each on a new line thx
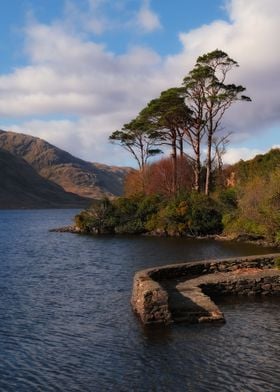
157 178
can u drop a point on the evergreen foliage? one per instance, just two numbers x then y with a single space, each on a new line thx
191 214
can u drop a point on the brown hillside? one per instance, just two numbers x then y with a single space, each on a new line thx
74 175
22 187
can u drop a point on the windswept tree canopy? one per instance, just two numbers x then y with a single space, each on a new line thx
206 91
187 115
169 116
208 96
137 137
169 110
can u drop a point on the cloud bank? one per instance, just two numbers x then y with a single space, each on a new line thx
77 91
147 19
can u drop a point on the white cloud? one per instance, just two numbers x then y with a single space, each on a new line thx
104 15
251 38
147 19
70 74
81 138
92 20
234 155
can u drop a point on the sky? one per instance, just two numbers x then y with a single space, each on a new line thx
74 71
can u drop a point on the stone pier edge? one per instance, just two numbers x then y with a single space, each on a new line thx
150 300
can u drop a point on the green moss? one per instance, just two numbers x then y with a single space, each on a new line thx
277 237
277 262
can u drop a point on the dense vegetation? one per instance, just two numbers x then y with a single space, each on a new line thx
190 214
188 193
255 198
249 206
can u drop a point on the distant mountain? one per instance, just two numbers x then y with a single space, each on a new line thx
22 187
86 179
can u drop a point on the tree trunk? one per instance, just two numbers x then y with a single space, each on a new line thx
197 169
174 160
208 164
181 146
143 179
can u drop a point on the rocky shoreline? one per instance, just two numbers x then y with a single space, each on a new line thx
245 238
67 229
249 239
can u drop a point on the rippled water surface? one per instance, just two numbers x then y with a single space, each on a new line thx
66 322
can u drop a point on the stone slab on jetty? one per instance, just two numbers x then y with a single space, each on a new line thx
184 292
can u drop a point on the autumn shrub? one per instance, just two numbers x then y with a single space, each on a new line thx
157 178
258 208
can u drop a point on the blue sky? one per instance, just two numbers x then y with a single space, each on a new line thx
73 71
173 20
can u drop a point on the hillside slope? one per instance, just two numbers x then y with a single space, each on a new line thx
74 175
22 187
261 165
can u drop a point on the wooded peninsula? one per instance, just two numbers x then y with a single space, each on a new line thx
191 192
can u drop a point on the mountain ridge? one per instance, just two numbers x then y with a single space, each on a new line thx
74 175
22 187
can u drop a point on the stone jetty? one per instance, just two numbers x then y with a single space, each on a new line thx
185 292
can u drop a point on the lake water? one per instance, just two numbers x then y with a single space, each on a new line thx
66 322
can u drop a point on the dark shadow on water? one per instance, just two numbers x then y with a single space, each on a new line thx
157 334
242 300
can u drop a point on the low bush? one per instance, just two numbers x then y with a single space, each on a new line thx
188 214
